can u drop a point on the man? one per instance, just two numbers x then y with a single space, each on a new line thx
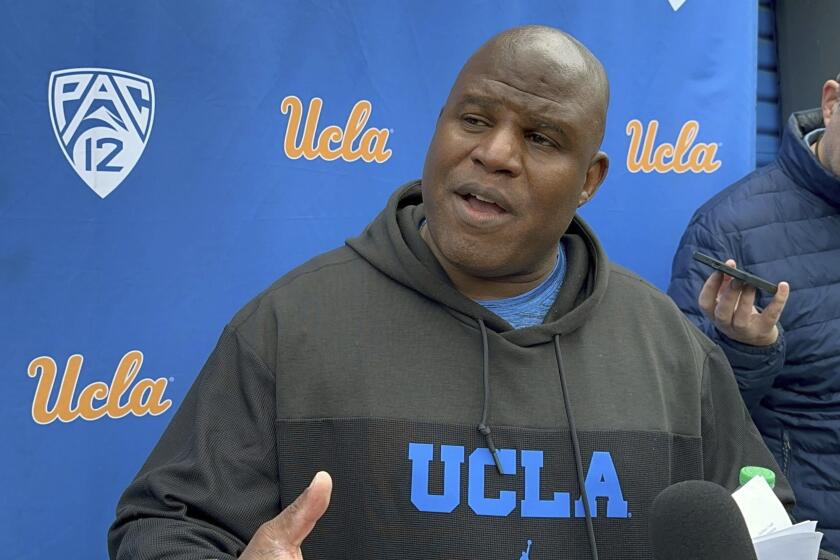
472 372
781 222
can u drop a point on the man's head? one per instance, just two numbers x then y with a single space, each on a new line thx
515 152
828 150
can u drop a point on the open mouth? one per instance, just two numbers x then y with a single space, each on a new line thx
481 204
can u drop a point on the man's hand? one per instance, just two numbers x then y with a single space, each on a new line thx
728 303
280 538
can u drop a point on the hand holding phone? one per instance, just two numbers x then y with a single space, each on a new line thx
742 275
727 300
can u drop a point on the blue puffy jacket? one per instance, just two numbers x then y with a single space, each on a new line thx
782 222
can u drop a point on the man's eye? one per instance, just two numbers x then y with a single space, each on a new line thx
473 121
537 138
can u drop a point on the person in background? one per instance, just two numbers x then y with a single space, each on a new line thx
781 222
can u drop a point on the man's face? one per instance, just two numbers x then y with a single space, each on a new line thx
830 142
513 156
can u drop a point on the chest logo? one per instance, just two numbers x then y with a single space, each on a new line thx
601 482
526 554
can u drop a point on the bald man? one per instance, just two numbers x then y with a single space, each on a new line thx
469 378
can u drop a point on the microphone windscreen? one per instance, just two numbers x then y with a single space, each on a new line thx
698 520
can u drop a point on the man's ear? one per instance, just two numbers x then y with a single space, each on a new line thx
830 99
595 175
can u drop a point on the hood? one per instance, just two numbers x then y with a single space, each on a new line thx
800 163
392 244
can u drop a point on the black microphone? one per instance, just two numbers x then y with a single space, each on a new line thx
698 520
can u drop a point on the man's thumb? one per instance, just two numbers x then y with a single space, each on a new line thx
296 521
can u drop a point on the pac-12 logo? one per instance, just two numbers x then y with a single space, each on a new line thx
102 120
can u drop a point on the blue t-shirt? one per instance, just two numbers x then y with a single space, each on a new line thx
530 308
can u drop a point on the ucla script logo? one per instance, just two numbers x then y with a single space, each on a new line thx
681 156
350 143
102 120
121 398
601 482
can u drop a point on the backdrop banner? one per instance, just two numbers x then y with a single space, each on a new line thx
163 162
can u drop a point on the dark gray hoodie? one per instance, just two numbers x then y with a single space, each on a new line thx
367 363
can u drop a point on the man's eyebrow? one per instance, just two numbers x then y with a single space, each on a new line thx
559 130
540 120
479 100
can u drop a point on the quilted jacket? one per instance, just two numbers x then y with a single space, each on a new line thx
782 222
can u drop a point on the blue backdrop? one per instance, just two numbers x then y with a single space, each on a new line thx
147 190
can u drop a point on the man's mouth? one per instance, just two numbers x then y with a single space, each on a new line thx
481 204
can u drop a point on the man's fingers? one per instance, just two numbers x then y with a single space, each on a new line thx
773 311
745 310
708 294
296 521
727 300
730 304
280 538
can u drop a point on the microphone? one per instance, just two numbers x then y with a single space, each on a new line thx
698 520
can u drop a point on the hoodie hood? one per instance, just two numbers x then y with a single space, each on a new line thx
392 244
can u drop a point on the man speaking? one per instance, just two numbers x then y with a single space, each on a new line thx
474 375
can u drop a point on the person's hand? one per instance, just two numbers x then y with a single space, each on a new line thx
728 303
280 538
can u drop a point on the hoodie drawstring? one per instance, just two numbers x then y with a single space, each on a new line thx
593 547
483 428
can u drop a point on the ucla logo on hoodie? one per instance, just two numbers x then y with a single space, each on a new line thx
601 482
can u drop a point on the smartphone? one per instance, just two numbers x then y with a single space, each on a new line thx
741 275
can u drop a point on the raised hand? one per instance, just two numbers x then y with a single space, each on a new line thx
729 304
280 538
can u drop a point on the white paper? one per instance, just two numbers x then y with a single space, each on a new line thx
762 510
791 546
804 527
774 536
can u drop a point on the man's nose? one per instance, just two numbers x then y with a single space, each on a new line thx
499 151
